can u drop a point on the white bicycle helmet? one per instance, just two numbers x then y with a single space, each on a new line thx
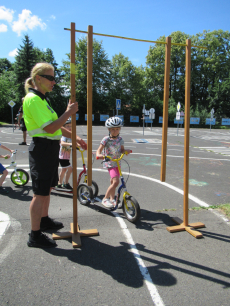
68 120
113 122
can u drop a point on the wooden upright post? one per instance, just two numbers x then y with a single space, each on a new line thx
74 232
73 121
165 108
184 225
89 103
186 128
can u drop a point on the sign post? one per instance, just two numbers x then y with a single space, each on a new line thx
212 113
118 105
143 112
151 115
11 104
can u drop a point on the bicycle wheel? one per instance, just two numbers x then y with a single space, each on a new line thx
94 188
132 212
84 194
21 179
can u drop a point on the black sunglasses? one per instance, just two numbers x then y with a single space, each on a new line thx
48 77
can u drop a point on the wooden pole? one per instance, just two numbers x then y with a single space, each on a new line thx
165 108
186 129
89 103
74 132
185 226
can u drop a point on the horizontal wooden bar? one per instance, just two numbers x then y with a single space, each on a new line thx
135 39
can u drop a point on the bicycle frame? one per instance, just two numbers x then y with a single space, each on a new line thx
84 171
13 163
123 185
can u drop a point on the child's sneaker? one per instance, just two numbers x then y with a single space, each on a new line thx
107 203
59 186
67 186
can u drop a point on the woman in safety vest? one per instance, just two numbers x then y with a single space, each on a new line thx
46 129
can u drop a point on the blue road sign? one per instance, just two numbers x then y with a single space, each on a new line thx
181 121
213 121
194 120
118 104
104 117
134 118
225 121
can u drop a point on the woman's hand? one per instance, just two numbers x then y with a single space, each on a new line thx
72 108
81 143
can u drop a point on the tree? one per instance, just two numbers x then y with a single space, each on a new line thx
5 65
24 62
101 75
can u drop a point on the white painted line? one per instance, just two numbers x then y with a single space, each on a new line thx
12 243
4 223
144 271
174 150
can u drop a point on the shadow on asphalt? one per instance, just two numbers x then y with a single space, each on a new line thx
151 256
19 193
117 262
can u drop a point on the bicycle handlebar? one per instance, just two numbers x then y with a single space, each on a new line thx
117 159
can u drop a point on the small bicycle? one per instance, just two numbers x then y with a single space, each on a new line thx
130 206
19 177
82 187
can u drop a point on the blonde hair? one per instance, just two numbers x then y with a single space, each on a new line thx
28 84
38 69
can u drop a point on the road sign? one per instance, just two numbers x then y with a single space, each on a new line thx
152 110
178 106
11 103
118 104
212 113
151 116
178 115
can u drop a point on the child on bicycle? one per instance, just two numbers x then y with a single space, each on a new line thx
64 160
3 170
113 145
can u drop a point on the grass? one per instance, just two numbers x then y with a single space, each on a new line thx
224 208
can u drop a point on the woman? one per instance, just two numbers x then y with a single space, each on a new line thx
46 129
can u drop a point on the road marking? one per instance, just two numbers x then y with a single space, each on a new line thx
16 226
144 271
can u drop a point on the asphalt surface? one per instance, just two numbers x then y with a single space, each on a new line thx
127 264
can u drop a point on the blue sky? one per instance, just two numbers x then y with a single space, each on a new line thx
44 22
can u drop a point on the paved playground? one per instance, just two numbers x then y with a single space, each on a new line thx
127 264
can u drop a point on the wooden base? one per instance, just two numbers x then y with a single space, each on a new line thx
190 228
76 237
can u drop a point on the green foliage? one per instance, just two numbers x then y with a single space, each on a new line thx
135 86
24 62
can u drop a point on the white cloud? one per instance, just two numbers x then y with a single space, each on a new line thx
13 53
52 17
3 28
26 21
6 14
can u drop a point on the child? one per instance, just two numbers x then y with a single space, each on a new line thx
3 170
113 146
64 160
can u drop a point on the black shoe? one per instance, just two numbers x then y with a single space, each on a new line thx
3 190
41 242
67 186
50 224
23 143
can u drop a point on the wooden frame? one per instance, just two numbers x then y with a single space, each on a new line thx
183 225
74 232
